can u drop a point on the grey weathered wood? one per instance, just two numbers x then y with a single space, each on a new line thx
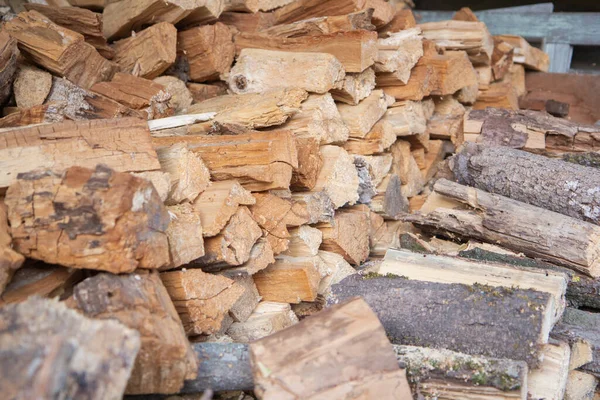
560 56
479 320
540 8
553 184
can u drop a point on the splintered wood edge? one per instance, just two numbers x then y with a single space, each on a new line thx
179 120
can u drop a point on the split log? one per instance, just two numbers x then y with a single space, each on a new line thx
266 319
241 310
10 260
385 235
350 370
338 177
484 76
160 180
442 269
355 50
447 120
207 51
502 58
581 386
403 19
391 201
253 6
360 20
355 87
347 235
336 270
245 22
94 219
70 57
150 98
465 14
379 167
289 279
318 206
406 168
79 20
8 64
436 153
261 256
184 234
565 188
499 95
122 144
309 164
181 98
526 54
536 232
366 187
305 9
408 118
149 53
448 374
399 52
516 76
380 138
141 302
201 91
202 300
49 351
443 315
304 242
261 70
549 381
31 86
252 110
361 118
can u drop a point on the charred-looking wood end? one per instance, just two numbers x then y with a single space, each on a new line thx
88 218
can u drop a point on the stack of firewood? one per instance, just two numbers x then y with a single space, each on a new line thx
217 173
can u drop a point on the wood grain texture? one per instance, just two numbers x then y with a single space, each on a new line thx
8 64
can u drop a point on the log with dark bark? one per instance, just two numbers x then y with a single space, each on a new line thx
477 319
555 185
8 64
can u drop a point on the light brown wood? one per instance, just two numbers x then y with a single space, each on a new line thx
208 51
266 319
149 53
484 76
289 279
549 381
31 86
8 64
304 242
502 58
516 76
391 200
499 95
141 302
355 87
581 354
323 25
160 180
408 118
437 152
184 233
403 19
259 70
181 98
524 53
379 167
261 256
399 52
447 120
202 300
317 206
335 270
201 91
10 260
84 143
338 177
379 139
355 50
405 166
150 98
309 164
252 6
245 22
218 203
305 9
70 56
350 370
465 14
119 209
361 118
247 302
348 235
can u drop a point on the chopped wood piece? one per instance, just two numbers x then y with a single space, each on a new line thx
151 98
253 6
391 200
208 51
379 167
484 76
465 14
405 166
355 50
31 86
407 118
386 236
403 19
338 177
247 302
499 95
184 234
274 214
148 53
245 22
318 206
305 9
122 144
261 256
366 187
218 203
304 242
189 176
399 53
8 64
336 269
473 37
93 219
232 246
82 21
360 20
140 301
10 260
160 180
468 94
550 379
260 70
379 139
201 299
347 235
63 354
447 120
70 56
526 54
441 372
201 91
437 152
318 118
401 304
581 386
181 98
471 212
309 164
361 118
350 370
355 87
266 319
252 110
259 160
552 184
502 58
289 279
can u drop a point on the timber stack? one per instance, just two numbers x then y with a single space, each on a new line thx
288 199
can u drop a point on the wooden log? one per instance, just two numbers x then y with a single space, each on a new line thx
380 138
447 120
181 98
94 219
305 9
406 168
407 118
375 373
336 269
304 241
355 50
366 187
203 12
82 21
524 53
502 58
266 319
403 19
289 279
70 57
184 234
514 317
8 64
245 22
259 160
141 302
207 51
568 188
202 91
252 6
202 300
360 20
465 14
31 86
50 341
361 118
313 72
149 53
317 206
498 95
160 180
399 52
385 235
438 149
581 386
512 224
241 310
309 164
261 256
441 372
10 260
549 381
355 87
391 201
347 235
338 177
379 167
252 110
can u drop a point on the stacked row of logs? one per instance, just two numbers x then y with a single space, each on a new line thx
210 173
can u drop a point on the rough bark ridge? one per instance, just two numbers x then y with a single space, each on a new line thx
555 185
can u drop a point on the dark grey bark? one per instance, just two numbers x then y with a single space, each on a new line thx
566 188
585 159
581 325
366 190
395 203
477 320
